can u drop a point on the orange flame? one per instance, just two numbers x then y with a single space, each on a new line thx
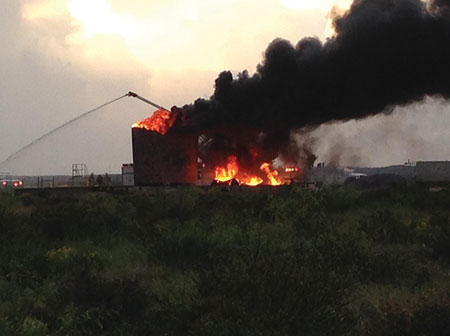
251 181
230 171
160 121
272 175
227 173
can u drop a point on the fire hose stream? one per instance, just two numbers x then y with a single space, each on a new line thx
129 94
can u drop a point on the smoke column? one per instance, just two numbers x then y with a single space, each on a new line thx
385 53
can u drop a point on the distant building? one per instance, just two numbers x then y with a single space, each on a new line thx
433 171
127 174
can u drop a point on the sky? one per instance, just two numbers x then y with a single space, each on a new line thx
61 58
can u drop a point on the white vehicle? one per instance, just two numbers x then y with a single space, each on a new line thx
348 172
356 175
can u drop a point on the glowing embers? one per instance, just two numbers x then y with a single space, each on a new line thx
230 172
160 121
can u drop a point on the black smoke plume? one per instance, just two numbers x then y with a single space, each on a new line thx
385 53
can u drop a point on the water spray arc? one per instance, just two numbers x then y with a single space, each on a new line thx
129 94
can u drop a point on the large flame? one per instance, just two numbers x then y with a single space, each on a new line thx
272 175
229 172
160 121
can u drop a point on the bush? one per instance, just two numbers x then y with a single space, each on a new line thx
383 226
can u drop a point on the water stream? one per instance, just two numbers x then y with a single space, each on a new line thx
13 155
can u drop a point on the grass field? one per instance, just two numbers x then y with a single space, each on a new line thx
186 261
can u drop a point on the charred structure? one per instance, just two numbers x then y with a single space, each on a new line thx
167 159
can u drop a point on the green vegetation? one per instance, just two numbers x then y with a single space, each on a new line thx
283 261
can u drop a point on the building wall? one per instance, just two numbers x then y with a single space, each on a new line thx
164 159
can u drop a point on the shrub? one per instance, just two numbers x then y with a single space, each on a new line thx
438 234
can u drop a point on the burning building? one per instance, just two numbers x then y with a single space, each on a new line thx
171 158
165 154
162 157
384 53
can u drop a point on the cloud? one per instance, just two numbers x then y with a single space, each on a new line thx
46 80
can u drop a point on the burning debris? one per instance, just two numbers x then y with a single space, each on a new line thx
384 53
